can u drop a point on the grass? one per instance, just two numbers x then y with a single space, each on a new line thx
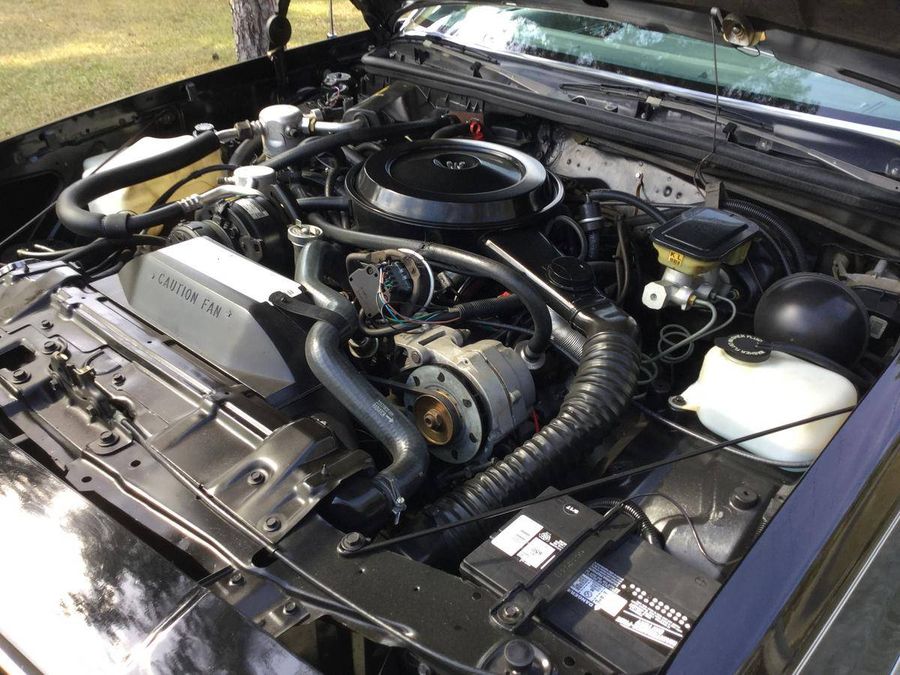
58 57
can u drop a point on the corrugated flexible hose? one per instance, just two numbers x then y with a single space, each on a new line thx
602 387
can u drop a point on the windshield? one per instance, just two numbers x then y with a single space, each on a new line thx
747 74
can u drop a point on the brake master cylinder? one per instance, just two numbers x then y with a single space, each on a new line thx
692 248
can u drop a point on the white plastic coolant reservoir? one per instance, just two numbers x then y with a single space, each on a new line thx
748 389
140 197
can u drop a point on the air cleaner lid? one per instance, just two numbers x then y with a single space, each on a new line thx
453 183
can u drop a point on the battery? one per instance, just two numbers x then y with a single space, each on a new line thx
630 605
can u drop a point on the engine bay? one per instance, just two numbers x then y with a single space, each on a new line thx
408 356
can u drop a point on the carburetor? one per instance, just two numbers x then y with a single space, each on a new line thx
464 397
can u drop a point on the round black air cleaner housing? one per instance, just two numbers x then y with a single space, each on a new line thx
451 184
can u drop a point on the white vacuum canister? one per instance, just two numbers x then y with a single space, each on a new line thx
744 387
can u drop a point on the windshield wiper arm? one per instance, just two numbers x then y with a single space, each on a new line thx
741 122
660 100
442 44
484 60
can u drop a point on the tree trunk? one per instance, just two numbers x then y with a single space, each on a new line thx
248 19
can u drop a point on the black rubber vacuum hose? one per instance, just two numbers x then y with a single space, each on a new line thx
475 309
332 367
249 148
574 227
336 203
462 260
452 130
71 207
648 529
765 218
631 200
316 146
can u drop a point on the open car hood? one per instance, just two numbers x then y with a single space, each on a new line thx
848 39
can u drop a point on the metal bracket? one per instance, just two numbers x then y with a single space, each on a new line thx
79 383
297 307
714 194
521 602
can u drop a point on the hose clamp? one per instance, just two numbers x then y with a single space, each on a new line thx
396 500
115 225
302 234
532 361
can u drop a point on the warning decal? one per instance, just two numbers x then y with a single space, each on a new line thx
633 608
526 540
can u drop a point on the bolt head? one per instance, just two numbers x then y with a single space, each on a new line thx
353 541
108 438
654 295
432 421
50 346
272 524
20 375
256 477
510 612
290 607
118 379
46 324
236 579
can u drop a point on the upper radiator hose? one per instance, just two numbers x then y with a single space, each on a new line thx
316 146
331 366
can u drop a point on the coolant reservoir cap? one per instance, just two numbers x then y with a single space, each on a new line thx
570 274
745 348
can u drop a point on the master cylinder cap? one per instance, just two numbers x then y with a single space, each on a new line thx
702 237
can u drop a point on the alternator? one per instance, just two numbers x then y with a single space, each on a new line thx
464 398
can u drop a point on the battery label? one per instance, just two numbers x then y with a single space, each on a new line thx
529 542
635 609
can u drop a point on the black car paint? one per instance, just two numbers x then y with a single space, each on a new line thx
126 607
